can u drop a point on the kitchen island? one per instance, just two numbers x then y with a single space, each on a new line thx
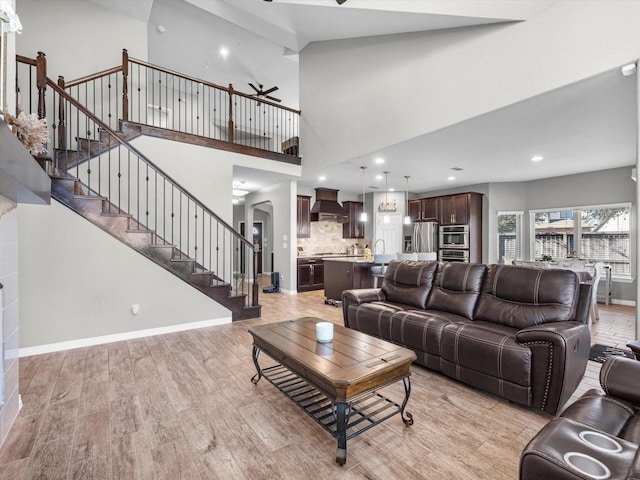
345 273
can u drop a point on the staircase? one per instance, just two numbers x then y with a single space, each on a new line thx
96 173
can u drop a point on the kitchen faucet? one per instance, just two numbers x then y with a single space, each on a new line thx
375 246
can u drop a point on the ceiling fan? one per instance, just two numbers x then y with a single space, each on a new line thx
264 93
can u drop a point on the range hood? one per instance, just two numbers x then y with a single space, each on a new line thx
327 207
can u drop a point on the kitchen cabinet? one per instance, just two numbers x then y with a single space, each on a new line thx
303 220
354 228
464 209
310 274
454 209
424 209
346 274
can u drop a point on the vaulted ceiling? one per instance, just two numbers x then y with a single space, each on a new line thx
587 126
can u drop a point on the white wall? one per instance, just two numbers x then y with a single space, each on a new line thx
78 282
388 89
69 30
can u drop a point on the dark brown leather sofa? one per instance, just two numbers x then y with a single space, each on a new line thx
516 332
597 437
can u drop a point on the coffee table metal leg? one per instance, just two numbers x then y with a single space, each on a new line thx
407 391
341 430
256 378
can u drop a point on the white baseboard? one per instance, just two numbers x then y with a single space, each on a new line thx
629 303
118 337
289 292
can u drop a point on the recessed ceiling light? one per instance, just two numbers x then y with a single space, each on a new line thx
224 51
537 158
379 177
451 178
239 193
322 178
379 160
392 189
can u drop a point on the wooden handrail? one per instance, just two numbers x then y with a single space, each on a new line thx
94 76
27 60
210 84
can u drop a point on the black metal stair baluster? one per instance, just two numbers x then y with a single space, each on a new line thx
146 200
129 182
139 95
210 245
155 201
109 178
172 214
195 232
120 180
188 251
180 223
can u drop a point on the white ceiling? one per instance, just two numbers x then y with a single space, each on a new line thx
587 126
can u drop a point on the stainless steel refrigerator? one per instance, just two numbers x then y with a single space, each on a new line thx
421 237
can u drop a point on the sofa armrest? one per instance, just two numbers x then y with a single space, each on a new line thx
559 354
358 296
584 303
620 377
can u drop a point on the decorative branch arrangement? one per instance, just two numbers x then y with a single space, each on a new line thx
30 130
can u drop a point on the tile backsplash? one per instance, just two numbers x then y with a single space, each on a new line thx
326 237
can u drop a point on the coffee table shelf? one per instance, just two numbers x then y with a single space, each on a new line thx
363 413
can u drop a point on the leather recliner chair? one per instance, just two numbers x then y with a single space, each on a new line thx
597 437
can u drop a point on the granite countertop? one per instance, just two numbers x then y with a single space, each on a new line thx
348 259
330 255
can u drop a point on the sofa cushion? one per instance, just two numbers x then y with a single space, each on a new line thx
409 282
373 318
523 297
456 288
488 348
421 330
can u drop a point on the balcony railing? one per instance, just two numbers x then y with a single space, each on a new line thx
142 93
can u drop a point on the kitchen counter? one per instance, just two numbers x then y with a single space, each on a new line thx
330 256
345 273
347 259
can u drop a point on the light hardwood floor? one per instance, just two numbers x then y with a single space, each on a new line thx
181 406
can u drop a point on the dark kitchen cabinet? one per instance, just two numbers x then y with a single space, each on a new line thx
346 275
303 221
454 209
424 209
310 274
354 228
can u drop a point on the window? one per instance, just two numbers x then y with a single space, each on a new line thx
596 233
605 238
553 234
509 236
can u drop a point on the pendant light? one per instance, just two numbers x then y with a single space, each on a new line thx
407 218
363 215
386 218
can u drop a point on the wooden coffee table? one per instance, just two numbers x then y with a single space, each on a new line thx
335 383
